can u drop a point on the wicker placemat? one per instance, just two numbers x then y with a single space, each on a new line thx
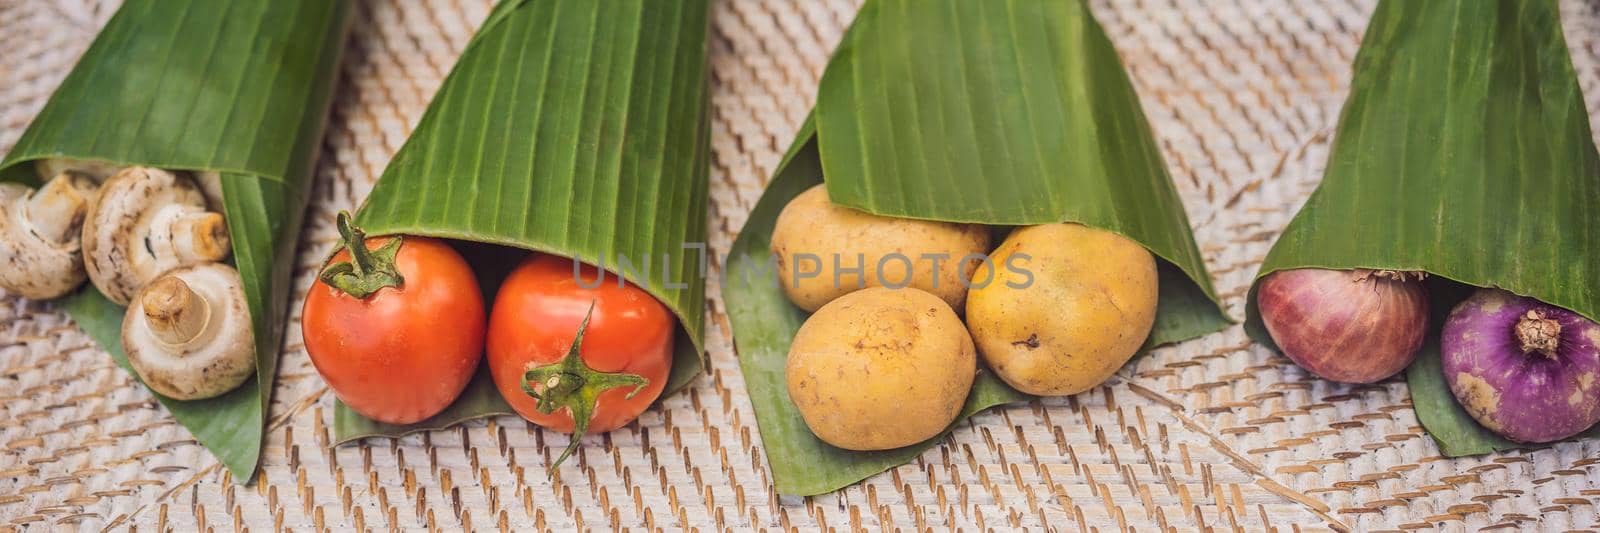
1214 433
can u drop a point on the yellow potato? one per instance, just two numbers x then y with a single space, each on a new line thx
881 368
826 251
1088 305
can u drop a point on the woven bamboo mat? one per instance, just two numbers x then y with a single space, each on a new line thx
1214 433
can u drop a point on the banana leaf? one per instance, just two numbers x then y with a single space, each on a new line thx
1004 113
1463 150
241 88
569 127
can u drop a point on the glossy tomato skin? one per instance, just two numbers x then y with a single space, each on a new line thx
402 354
536 315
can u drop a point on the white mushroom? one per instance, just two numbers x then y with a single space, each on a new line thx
39 250
189 335
144 222
99 171
211 186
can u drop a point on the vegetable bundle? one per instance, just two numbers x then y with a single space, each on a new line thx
570 128
1463 155
934 118
205 113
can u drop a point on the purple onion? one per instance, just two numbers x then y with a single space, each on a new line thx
1524 369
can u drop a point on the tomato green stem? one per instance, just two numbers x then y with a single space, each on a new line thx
570 383
368 270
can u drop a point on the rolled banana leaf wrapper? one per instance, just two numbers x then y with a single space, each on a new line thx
1000 113
1463 151
238 88
567 127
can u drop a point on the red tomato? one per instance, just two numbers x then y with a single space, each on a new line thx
538 313
401 353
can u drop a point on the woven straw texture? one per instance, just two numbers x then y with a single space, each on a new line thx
1213 433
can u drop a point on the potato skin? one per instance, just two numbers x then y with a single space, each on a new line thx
1089 308
811 224
881 368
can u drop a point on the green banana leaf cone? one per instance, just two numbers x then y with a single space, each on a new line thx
1464 151
241 89
1000 113
567 127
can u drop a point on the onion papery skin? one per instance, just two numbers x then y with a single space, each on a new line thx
1530 397
1351 326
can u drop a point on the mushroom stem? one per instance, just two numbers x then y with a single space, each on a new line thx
56 209
1538 334
176 313
198 236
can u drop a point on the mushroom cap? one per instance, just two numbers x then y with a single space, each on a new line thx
134 230
98 171
210 182
216 360
32 265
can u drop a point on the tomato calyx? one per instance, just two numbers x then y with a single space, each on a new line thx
367 271
570 383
